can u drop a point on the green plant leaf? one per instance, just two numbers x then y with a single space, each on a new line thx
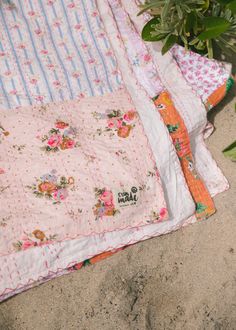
224 2
225 43
201 45
206 5
191 22
232 6
199 25
214 27
166 9
148 6
230 151
170 40
149 32
209 48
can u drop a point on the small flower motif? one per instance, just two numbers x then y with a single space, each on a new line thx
47 187
39 98
129 116
76 74
69 58
97 81
15 26
56 83
39 32
33 81
22 46
50 2
32 13
94 14
60 195
111 123
61 137
57 22
124 131
91 61
105 204
13 92
3 54
44 51
61 124
118 122
8 74
81 96
147 58
71 180
163 213
39 234
51 66
28 62
101 35
71 5
52 187
36 238
67 144
55 140
180 147
109 53
78 26
84 46
158 216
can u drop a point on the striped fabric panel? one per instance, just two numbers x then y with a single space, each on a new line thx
54 50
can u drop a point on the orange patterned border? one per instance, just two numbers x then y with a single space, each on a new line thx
179 134
97 258
219 94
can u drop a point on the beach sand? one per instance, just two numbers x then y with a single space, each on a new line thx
184 280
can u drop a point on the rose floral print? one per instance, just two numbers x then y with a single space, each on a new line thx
36 238
158 217
105 204
57 187
117 122
181 147
52 187
60 137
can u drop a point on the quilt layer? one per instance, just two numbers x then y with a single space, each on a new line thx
101 137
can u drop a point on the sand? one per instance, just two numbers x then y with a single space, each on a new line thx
184 280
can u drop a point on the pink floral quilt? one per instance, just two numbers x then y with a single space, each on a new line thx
75 169
87 165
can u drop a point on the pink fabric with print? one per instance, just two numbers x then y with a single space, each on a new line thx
96 172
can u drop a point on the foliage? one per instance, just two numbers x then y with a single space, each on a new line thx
199 25
230 151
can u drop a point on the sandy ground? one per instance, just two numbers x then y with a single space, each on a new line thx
185 280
